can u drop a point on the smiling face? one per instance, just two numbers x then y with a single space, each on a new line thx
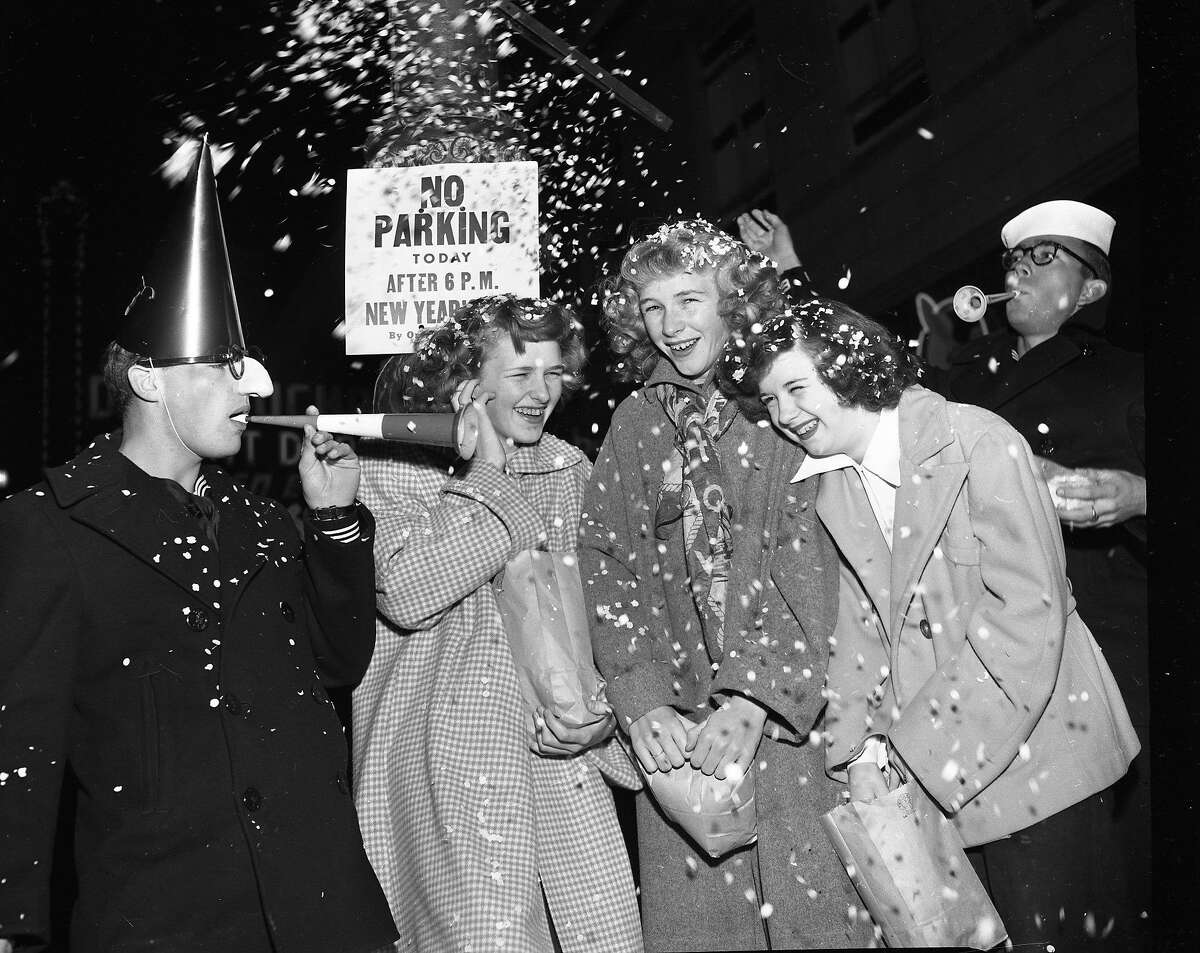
681 317
527 387
206 406
804 409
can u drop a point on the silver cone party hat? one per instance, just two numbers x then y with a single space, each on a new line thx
187 306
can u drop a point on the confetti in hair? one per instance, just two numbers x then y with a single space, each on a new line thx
701 244
863 363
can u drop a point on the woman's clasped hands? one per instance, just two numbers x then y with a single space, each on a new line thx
663 739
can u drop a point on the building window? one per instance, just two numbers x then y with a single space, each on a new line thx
737 113
882 65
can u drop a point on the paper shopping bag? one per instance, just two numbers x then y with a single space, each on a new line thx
718 815
541 603
907 862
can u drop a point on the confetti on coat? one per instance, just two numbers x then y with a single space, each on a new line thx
963 644
781 608
459 817
214 811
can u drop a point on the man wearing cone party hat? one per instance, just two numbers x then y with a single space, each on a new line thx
166 640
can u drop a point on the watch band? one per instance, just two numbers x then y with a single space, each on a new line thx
327 514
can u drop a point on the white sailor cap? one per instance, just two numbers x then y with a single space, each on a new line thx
1061 217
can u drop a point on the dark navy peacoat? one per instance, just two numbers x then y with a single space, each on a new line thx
184 684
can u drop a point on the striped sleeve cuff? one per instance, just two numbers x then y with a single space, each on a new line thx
343 534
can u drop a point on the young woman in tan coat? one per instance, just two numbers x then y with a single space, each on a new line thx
958 659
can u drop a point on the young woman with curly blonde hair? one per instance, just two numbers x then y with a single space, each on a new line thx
689 522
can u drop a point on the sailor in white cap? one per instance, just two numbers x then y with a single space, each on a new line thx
1079 402
1056 259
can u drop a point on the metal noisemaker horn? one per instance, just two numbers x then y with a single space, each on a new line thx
186 306
458 430
970 303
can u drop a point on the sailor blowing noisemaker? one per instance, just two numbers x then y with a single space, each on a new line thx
457 430
970 303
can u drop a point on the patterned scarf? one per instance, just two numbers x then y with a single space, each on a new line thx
695 496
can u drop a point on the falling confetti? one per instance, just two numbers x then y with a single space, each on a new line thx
334 59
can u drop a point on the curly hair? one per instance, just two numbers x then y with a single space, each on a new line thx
863 363
449 353
747 282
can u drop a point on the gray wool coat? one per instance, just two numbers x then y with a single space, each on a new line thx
788 890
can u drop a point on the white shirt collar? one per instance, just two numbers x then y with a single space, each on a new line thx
882 457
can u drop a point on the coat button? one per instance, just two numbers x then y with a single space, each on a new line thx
319 695
925 629
197 620
233 704
342 784
252 799
287 612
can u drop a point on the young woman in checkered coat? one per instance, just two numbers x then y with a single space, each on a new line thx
715 594
487 829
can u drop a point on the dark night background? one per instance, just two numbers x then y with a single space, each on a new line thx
89 91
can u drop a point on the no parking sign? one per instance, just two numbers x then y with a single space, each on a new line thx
422 241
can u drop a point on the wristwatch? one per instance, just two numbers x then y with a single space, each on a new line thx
327 514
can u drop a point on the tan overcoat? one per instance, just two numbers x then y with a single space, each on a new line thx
962 645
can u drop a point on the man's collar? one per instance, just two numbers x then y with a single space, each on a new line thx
882 457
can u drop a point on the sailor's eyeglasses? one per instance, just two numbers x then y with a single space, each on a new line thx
233 355
1041 253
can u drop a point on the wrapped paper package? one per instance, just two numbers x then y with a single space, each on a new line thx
718 815
907 862
541 602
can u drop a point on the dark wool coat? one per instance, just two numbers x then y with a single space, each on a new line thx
1080 402
789 890
185 688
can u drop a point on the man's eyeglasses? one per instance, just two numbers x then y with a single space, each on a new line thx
1041 253
234 355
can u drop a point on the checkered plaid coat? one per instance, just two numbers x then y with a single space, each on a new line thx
460 819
